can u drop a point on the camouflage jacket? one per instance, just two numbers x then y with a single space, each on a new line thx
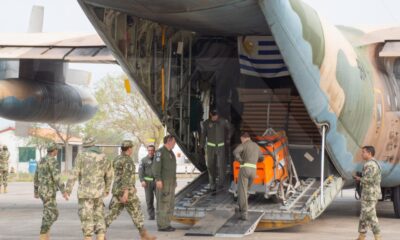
94 173
47 178
164 166
145 172
371 181
124 174
4 157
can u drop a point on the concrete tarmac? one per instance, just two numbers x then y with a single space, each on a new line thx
20 219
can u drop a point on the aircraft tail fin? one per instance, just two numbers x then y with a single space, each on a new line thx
36 19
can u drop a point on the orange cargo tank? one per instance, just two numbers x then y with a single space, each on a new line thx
275 165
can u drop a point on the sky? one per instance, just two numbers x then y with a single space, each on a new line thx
67 16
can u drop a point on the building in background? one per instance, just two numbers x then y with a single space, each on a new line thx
22 150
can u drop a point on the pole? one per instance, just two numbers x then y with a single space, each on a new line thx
322 163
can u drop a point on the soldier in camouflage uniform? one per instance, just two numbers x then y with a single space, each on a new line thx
371 193
4 157
124 191
147 180
164 171
94 173
46 184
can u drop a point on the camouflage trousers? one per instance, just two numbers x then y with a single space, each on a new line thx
91 214
368 217
3 177
132 206
50 214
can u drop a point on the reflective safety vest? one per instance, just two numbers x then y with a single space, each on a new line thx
249 165
148 178
215 144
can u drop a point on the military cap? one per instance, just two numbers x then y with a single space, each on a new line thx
127 143
52 146
88 142
5 148
214 111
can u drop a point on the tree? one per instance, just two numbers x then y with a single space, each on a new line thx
124 115
40 142
64 133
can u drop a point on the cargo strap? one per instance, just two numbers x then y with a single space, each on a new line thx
148 178
249 165
215 144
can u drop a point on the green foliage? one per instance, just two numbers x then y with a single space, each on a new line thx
122 115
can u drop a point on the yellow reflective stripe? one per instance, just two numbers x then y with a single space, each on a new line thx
148 178
250 165
215 144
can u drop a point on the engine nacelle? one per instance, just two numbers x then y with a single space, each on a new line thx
23 100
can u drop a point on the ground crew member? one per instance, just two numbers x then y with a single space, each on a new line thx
248 154
164 171
370 194
4 157
46 184
147 180
215 139
124 191
94 173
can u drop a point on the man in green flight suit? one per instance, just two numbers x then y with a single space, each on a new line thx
248 154
94 173
215 138
370 194
124 191
147 179
164 171
46 184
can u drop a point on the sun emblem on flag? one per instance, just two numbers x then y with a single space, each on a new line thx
248 45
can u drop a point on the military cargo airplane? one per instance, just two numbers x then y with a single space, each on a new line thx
185 56
263 64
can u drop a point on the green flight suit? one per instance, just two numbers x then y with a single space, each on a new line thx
216 140
248 154
146 175
164 169
46 184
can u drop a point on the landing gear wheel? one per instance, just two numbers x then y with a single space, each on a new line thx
396 201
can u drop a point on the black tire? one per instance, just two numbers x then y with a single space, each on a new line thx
396 201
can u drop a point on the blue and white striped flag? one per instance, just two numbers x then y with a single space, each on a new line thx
260 56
